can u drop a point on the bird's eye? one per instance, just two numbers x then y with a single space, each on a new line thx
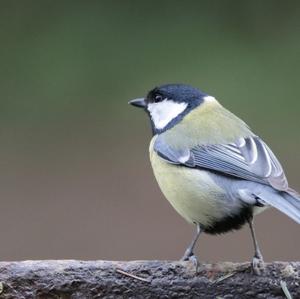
158 98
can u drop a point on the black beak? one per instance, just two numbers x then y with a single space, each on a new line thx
140 103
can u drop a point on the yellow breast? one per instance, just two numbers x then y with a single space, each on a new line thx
192 192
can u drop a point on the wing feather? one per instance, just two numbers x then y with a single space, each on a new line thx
247 158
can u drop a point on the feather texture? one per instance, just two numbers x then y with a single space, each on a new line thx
246 158
283 201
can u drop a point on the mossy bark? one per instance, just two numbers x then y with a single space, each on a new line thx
145 279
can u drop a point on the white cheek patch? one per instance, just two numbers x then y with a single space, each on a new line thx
163 112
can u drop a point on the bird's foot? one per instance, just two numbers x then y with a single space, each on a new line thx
187 254
191 257
258 265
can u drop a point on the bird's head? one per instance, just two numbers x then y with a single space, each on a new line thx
168 104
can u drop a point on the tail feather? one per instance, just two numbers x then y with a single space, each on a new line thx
286 202
293 199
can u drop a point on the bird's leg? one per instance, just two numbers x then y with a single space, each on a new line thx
257 261
189 253
190 250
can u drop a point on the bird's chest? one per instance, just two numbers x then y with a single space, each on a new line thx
192 192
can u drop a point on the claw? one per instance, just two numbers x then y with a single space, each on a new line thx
190 257
194 260
258 265
188 253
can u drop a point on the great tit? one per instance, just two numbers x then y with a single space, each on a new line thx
211 167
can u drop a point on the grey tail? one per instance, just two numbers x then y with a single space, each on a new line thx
288 202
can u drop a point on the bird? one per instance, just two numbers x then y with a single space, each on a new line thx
210 166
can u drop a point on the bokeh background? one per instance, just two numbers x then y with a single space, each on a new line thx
75 177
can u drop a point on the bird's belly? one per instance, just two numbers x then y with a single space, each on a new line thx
192 192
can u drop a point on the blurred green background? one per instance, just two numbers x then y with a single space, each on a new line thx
75 177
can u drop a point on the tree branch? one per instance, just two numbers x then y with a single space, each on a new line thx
145 279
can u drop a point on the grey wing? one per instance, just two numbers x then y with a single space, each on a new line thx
246 158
